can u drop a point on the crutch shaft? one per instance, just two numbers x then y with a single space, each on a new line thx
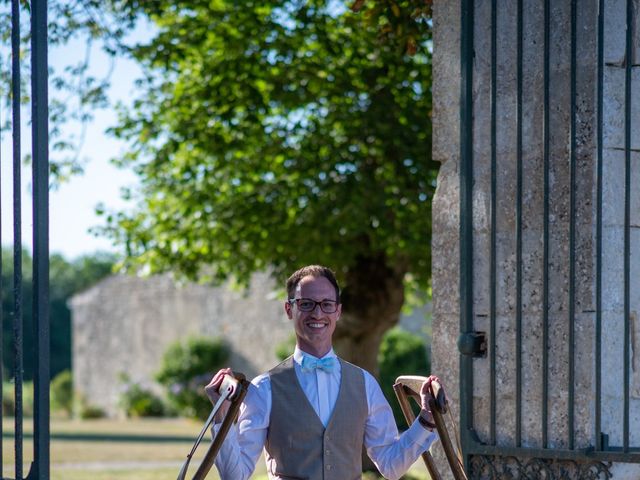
410 417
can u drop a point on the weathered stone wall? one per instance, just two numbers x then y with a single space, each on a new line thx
446 226
124 325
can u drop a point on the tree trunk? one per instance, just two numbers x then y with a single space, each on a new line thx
371 302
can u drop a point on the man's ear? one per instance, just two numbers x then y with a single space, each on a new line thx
287 309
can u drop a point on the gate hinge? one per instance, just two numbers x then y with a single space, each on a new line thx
473 344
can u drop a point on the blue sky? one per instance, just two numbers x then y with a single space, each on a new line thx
72 205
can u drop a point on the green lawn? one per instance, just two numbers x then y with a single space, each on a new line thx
131 449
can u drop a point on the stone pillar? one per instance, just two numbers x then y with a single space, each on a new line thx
567 142
445 222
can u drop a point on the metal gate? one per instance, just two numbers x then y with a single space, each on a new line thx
550 237
39 467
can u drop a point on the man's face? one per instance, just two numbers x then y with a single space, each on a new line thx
314 329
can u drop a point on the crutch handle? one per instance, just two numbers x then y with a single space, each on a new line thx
413 384
437 392
233 388
232 385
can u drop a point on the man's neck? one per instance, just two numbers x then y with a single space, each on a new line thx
315 352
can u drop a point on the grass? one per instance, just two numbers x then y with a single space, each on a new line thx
132 449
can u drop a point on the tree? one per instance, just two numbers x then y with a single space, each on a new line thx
269 135
66 278
78 91
405 23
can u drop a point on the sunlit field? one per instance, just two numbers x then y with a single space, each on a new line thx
140 449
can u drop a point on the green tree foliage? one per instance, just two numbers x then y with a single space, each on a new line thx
186 367
404 23
65 279
401 353
274 134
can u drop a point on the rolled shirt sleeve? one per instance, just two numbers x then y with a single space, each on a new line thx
244 442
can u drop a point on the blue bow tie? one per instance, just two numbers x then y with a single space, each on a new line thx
309 364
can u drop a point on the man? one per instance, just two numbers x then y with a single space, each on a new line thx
313 413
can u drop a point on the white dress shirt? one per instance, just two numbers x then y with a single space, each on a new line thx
392 453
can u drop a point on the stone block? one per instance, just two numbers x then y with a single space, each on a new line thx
532 273
481 274
613 109
584 268
445 359
482 417
625 471
615 18
612 376
445 242
505 273
613 186
634 419
446 81
634 268
612 418
635 187
481 207
482 91
613 269
635 104
634 320
636 36
584 371
532 188
532 362
558 281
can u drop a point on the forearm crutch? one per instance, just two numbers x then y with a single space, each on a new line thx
234 390
409 386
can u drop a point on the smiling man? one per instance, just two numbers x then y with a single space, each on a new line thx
313 413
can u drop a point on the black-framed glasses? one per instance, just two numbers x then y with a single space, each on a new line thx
308 305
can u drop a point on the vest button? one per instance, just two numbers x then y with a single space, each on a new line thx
327 452
328 467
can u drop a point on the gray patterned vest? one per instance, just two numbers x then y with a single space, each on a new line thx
298 446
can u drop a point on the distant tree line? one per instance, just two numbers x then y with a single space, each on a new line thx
66 278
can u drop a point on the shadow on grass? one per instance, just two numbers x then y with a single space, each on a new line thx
112 437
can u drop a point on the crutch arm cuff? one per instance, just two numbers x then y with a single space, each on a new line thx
426 423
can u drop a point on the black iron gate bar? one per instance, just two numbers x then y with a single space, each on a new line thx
518 225
40 188
545 221
493 220
627 215
466 223
471 445
599 199
17 235
40 180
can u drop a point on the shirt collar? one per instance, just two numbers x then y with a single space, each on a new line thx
298 354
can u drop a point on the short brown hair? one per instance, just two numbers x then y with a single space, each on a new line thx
312 271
